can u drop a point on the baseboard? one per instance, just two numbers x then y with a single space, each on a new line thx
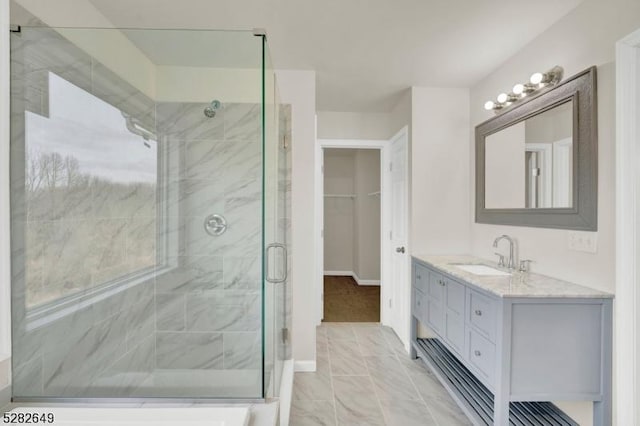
355 276
286 392
304 366
339 273
365 282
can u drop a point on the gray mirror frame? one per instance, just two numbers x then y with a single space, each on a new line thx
581 89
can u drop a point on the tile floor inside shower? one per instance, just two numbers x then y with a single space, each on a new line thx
365 377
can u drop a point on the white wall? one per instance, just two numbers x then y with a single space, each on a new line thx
5 260
584 37
439 171
339 213
353 125
400 115
298 88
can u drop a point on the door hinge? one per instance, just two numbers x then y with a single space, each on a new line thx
322 169
390 303
390 167
391 235
322 233
285 335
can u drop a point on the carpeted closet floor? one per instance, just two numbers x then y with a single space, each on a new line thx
346 301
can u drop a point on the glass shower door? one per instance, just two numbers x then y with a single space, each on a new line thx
276 233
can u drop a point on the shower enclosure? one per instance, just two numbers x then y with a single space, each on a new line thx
150 215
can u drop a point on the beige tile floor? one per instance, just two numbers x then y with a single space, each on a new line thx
364 377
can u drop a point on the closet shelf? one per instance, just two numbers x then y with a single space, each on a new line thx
340 195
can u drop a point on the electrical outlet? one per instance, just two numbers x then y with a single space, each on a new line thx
583 241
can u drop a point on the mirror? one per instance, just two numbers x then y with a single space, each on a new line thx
536 162
530 164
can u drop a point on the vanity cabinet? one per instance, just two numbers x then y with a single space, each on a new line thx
524 338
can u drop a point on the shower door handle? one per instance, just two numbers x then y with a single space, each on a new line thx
276 280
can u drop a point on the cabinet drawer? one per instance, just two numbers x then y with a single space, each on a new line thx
455 296
482 354
435 316
419 305
454 331
482 314
437 284
421 278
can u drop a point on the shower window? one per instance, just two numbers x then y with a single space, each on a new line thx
91 192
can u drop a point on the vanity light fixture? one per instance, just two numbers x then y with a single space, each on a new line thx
518 89
537 81
489 105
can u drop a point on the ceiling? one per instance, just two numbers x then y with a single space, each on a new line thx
365 52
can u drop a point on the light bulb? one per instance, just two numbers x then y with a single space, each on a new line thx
536 78
502 98
518 89
489 105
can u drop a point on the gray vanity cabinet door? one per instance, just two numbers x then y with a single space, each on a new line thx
437 284
435 315
436 303
454 331
455 297
454 315
419 305
482 314
482 354
421 278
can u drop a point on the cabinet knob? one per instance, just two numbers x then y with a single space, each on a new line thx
419 277
478 312
418 303
477 353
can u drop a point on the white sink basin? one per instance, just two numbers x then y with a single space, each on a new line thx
482 270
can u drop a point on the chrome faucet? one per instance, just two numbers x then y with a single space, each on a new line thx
511 264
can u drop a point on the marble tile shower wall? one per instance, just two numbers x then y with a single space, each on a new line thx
210 306
108 347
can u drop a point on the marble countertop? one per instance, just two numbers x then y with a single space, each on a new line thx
515 285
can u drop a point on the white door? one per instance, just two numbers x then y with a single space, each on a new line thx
398 291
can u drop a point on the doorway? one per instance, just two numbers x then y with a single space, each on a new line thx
394 260
352 222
